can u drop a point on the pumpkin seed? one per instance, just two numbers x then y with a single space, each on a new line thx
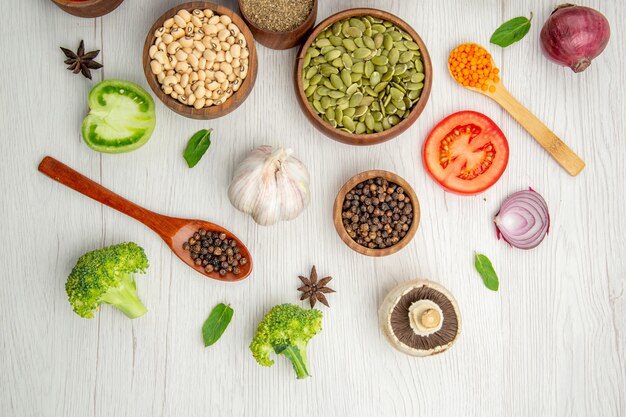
322 42
330 113
361 53
347 61
405 57
348 123
374 79
387 42
393 56
380 60
360 128
349 111
360 111
356 98
352 89
369 43
353 32
369 68
335 40
412 45
336 94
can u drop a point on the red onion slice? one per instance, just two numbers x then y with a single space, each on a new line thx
523 220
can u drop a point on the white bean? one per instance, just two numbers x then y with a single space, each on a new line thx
179 89
169 81
161 77
178 33
226 68
199 103
161 57
195 20
214 20
159 32
223 34
181 55
180 22
235 51
184 14
193 61
202 63
181 67
168 23
200 91
191 99
208 12
186 42
184 80
153 50
199 46
167 90
173 47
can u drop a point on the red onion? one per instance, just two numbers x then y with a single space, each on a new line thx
574 35
523 220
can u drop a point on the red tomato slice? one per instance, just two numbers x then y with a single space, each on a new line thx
466 153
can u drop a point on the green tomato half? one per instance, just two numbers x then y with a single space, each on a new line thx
121 117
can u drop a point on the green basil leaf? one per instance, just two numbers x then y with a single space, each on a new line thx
486 271
197 146
511 31
216 323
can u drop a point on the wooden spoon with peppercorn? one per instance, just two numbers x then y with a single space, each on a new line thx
206 247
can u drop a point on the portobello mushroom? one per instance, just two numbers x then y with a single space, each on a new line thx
420 318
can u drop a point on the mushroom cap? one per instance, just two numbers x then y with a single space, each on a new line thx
408 317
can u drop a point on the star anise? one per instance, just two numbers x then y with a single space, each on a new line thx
81 61
314 290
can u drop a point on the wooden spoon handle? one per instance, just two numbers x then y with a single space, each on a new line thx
60 172
561 153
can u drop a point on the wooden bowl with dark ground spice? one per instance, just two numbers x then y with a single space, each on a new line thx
387 213
409 114
279 24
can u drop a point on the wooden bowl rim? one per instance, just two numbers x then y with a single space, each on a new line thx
81 4
359 178
372 138
208 112
304 24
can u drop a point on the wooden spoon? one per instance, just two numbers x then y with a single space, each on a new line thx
546 138
173 231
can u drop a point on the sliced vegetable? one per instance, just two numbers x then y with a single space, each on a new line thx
511 31
121 118
523 220
216 323
197 147
466 153
487 273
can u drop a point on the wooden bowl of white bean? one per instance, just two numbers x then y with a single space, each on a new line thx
200 60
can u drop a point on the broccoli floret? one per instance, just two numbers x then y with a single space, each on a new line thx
286 330
106 276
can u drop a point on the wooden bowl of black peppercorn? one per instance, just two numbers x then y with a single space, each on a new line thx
376 213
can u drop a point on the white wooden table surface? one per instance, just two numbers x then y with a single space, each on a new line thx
552 341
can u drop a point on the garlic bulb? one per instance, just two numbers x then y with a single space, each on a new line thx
270 185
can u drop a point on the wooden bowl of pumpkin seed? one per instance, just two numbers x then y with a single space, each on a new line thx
363 76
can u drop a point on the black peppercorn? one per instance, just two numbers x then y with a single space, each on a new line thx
376 213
